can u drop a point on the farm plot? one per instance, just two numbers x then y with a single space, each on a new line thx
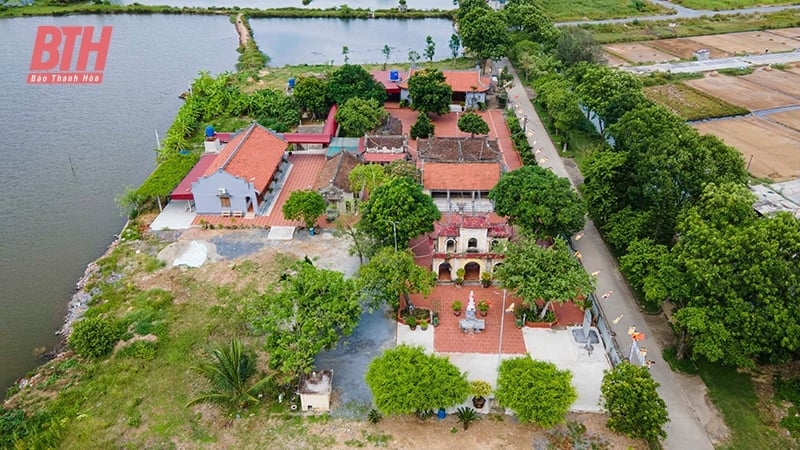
779 80
775 149
792 33
789 119
690 103
684 48
638 53
749 42
738 91
615 61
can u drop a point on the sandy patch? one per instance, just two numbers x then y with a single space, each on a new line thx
775 149
685 47
741 92
639 52
750 42
790 119
779 80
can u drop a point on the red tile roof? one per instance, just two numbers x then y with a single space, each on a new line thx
460 80
383 157
184 189
254 154
460 176
307 138
382 76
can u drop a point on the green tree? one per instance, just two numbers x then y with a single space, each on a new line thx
539 201
398 208
604 183
366 177
304 205
430 48
228 373
531 59
536 390
357 116
609 92
387 52
429 91
93 337
737 270
550 274
642 261
561 102
467 6
574 45
401 168
413 57
362 244
391 274
455 45
346 53
484 34
310 94
423 127
305 312
633 405
473 124
404 380
530 20
350 81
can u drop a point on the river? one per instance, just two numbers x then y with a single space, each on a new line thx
69 150
315 4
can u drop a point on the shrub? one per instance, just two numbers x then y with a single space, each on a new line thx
93 337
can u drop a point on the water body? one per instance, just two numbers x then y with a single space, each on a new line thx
69 150
320 41
54 220
315 4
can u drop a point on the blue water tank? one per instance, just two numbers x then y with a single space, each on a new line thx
394 75
291 83
209 131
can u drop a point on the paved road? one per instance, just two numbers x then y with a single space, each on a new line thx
684 431
718 63
682 12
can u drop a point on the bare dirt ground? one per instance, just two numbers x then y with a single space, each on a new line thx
492 432
638 52
790 119
684 48
738 91
778 80
614 60
793 33
750 42
775 149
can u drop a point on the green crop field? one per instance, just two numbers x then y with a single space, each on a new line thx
569 10
690 103
720 5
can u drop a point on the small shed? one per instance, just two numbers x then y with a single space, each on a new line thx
315 391
702 54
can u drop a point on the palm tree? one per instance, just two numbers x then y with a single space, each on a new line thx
228 372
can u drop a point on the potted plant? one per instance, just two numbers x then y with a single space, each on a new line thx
435 304
479 390
483 307
411 321
435 319
457 307
460 276
423 324
486 279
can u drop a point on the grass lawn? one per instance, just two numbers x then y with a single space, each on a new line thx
735 397
690 103
569 10
646 30
719 5
733 394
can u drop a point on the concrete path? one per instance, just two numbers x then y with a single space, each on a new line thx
718 63
684 431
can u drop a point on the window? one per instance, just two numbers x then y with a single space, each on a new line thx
495 245
450 246
225 202
472 245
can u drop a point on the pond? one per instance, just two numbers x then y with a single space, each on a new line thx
320 41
